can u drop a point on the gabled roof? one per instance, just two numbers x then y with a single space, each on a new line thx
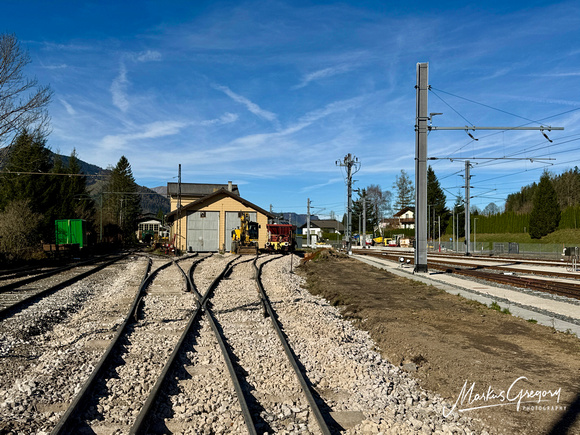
326 223
404 210
201 202
198 189
148 218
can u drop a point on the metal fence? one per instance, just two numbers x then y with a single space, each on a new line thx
503 248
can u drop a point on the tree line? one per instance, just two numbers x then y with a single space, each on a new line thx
37 188
540 208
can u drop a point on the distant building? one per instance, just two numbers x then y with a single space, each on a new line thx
190 192
208 214
405 218
149 229
317 227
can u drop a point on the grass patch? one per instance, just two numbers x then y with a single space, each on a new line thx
495 306
532 321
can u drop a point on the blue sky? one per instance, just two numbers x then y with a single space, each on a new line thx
271 94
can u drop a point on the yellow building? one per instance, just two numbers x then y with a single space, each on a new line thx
204 223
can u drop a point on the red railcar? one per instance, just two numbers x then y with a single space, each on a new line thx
281 237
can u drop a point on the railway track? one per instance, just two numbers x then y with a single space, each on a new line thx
497 274
21 293
122 393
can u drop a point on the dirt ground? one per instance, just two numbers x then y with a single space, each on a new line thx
446 342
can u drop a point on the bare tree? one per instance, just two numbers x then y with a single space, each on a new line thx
491 209
23 101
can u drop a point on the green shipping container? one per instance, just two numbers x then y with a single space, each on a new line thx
70 232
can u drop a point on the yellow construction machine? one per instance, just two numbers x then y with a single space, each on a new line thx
245 238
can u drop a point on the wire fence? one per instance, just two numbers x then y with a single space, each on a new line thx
554 250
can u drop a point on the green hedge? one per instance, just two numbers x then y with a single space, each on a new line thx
511 222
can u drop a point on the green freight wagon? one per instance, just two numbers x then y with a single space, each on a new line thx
70 232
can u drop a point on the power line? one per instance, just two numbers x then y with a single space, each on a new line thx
51 173
486 105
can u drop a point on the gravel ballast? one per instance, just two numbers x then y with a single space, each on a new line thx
359 391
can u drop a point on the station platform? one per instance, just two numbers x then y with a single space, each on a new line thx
558 312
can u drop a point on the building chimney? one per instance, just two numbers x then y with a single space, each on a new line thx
230 186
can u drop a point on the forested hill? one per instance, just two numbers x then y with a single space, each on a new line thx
151 202
566 185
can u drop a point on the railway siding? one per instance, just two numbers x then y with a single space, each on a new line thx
43 368
358 391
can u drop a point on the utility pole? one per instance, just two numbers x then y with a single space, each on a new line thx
439 228
467 211
421 130
421 168
308 222
364 224
349 162
178 210
453 230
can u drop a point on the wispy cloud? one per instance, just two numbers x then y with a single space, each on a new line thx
252 107
159 129
59 66
121 82
69 109
322 74
282 138
149 56
321 185
119 89
149 131
224 119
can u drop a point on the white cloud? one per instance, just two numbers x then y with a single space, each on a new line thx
159 129
252 107
224 119
119 89
318 186
69 109
149 131
149 56
59 66
323 73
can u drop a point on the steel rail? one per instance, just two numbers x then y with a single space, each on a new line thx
6 312
140 425
289 353
65 424
571 290
233 375
42 275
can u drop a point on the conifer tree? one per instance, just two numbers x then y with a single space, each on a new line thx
122 203
404 191
437 201
545 215
27 166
